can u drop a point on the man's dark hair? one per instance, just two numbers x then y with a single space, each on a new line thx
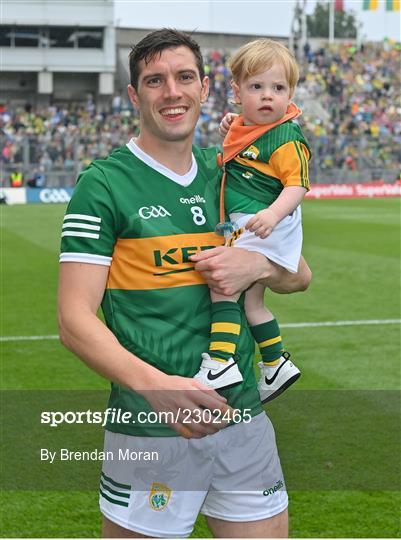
155 43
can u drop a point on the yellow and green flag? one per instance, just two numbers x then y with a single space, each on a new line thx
392 5
370 4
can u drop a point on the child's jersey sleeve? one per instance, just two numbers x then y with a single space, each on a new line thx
291 163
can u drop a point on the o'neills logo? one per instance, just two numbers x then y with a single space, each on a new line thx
272 490
193 200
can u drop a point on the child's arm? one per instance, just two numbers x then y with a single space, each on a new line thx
263 223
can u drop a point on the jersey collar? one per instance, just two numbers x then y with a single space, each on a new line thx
182 179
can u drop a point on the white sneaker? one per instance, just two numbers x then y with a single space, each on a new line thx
215 374
275 379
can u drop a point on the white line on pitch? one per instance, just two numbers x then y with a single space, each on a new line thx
284 325
340 323
28 338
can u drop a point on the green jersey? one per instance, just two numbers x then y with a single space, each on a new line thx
259 173
142 220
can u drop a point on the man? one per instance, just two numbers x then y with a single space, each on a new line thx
135 222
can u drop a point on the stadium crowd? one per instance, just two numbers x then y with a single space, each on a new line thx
350 98
360 90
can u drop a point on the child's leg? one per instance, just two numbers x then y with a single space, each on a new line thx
218 368
263 325
276 369
225 326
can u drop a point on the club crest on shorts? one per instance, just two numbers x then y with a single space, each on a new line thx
159 496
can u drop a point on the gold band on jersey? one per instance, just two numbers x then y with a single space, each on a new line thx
160 262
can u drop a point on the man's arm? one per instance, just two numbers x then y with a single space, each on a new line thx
81 290
232 270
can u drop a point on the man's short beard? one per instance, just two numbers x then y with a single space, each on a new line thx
176 137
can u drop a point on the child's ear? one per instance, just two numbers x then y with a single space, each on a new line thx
237 97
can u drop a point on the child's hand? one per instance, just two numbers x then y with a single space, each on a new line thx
226 123
263 223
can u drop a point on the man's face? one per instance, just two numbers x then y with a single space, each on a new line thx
169 95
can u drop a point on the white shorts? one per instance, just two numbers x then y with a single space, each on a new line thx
283 246
233 475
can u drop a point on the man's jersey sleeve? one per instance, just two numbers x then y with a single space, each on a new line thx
90 223
291 163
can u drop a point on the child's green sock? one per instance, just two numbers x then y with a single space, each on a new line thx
267 336
225 330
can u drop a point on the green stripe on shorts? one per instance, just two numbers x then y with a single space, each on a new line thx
114 492
116 484
114 501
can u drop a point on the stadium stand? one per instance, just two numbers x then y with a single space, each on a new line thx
351 116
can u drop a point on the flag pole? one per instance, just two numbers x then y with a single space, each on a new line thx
359 38
304 29
331 22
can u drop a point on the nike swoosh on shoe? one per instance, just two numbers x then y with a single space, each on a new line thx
271 381
212 377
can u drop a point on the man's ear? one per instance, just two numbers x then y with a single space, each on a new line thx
205 89
237 97
133 96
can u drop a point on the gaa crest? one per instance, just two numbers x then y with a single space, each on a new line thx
159 496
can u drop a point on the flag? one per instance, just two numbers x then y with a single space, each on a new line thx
338 5
370 4
392 5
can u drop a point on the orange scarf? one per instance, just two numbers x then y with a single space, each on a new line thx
240 136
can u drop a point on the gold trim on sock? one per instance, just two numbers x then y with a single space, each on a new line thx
229 328
268 342
272 363
219 360
222 346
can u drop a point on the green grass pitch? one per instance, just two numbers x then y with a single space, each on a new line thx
336 428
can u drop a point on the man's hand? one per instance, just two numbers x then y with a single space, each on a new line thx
193 409
226 123
80 293
229 270
263 223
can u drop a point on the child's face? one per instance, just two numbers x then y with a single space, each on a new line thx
264 97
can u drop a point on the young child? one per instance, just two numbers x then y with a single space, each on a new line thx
266 162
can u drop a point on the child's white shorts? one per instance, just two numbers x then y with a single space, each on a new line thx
284 244
233 475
